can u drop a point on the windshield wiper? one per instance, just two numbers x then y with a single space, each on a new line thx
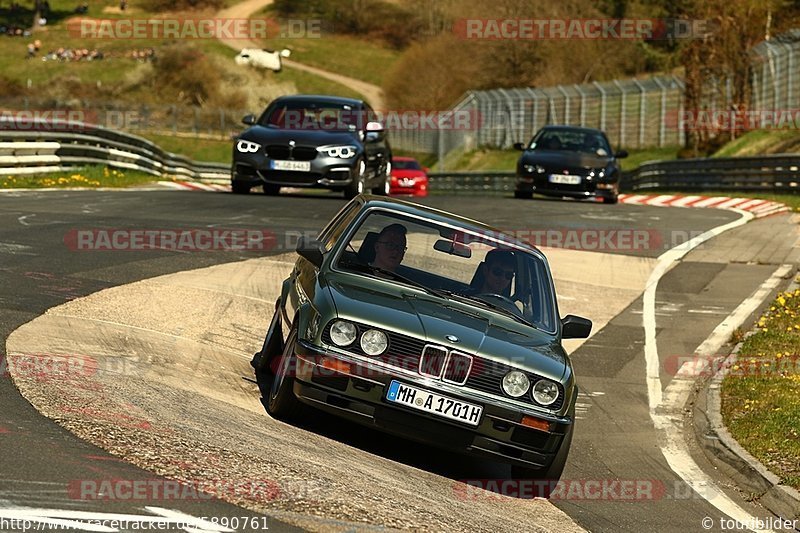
393 275
503 310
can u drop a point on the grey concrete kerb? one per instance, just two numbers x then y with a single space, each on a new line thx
733 459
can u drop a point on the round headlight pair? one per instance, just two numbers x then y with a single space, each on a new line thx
373 341
516 384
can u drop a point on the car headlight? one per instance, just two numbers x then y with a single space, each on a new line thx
339 152
247 146
545 392
343 333
539 169
516 383
374 342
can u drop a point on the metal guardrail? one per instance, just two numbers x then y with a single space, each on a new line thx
60 146
53 146
769 173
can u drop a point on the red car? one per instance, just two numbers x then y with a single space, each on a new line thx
408 177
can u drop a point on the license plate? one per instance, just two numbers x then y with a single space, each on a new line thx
300 166
565 179
433 403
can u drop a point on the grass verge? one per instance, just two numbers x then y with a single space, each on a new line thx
89 177
761 394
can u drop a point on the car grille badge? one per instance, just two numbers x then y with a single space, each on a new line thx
451 338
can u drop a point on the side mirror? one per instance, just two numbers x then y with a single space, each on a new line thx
249 119
311 249
622 154
426 170
374 126
519 146
575 327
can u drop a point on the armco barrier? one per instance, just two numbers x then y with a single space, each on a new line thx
52 146
55 146
778 173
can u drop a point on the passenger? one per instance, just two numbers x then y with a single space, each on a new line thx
390 247
499 268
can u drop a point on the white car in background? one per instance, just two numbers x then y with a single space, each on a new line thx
267 59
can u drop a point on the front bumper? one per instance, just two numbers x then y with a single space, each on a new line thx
587 189
358 394
325 172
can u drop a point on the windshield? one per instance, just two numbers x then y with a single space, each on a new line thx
313 116
478 269
572 140
401 164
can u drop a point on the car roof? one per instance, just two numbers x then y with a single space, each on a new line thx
437 215
319 99
571 128
402 158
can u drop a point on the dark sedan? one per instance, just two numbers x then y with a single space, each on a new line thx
313 141
431 326
569 161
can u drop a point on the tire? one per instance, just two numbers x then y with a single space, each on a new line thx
614 199
282 403
523 195
237 187
551 474
273 347
271 190
357 185
382 189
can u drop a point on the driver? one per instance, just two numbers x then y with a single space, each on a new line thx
498 267
390 247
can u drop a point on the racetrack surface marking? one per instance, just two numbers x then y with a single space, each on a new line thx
666 407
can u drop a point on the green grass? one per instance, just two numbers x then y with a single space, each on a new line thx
215 151
761 142
90 176
761 394
349 56
506 160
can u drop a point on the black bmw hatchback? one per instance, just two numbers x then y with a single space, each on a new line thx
313 141
569 161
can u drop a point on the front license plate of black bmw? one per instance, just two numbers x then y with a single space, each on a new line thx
433 403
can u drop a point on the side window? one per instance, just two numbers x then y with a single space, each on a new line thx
332 231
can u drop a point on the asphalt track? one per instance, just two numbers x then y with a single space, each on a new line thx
615 439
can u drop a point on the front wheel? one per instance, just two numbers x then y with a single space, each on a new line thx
239 188
523 195
612 200
356 185
551 474
271 190
282 403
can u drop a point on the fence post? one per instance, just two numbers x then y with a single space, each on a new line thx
661 130
583 104
621 113
602 105
642 110
566 103
681 92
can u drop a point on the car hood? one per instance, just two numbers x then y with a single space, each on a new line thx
266 135
480 332
398 173
551 159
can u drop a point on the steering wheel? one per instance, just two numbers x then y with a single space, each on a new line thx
505 302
